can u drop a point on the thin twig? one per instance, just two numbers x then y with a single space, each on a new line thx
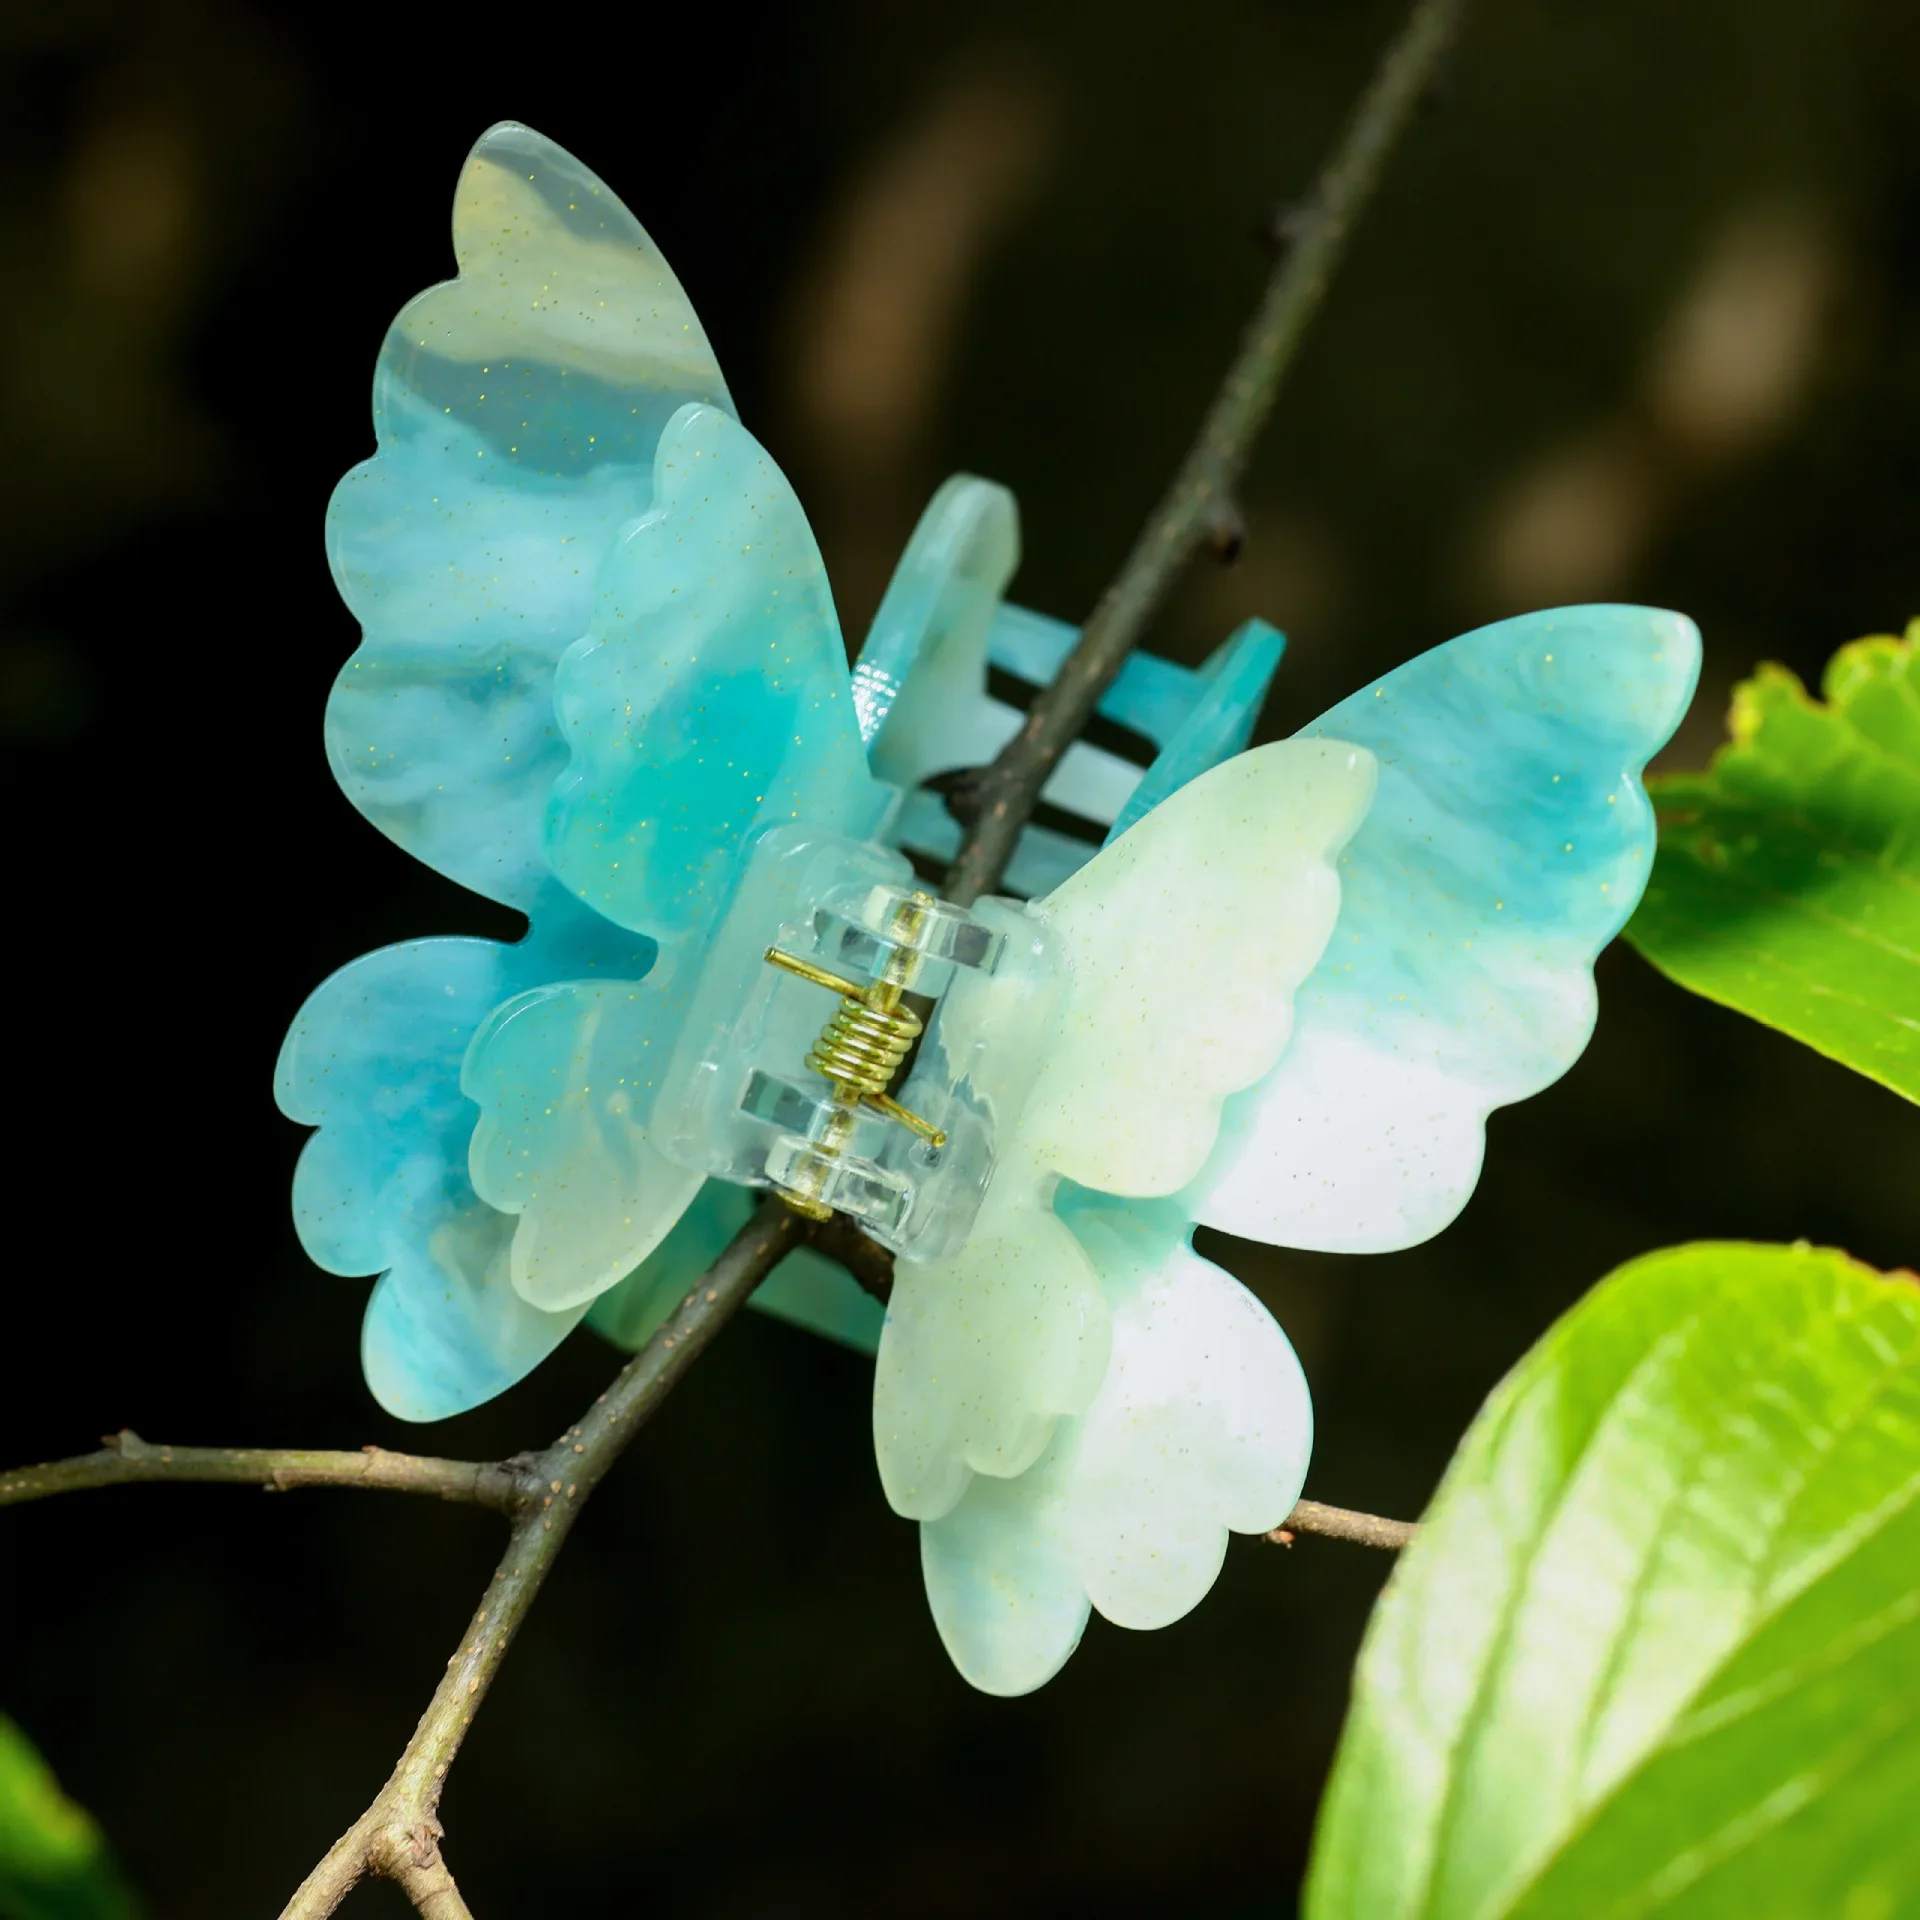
1340 1523
401 1828
124 1457
1000 801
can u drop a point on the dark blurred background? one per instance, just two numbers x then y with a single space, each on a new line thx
1638 315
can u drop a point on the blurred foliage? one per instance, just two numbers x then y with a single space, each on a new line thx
1788 878
53 1863
1656 1647
1637 316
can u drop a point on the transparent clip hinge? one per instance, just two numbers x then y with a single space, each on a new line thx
907 942
882 1103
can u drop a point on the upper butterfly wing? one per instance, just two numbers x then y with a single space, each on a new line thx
1186 939
710 696
518 409
1510 839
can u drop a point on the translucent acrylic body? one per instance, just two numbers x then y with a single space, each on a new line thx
741 1102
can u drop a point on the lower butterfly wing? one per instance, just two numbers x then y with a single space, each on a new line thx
1184 942
444 1330
1509 841
1006 1592
983 1353
373 1062
564 1077
1202 1425
518 410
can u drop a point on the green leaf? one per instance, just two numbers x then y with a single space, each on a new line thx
53 1863
1787 884
1657 1650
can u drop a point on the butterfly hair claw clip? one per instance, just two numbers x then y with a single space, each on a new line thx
1273 991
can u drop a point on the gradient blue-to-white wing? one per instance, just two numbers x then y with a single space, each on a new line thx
709 696
1201 1426
518 408
1508 842
372 1061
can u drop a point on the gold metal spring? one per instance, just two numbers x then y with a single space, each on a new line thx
858 1052
863 1046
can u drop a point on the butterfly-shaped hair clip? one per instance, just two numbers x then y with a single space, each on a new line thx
602 682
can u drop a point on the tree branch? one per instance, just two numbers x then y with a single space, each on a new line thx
1200 500
866 1260
124 1457
399 1834
1338 1523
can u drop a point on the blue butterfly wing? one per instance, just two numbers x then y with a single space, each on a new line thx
518 410
710 696
1508 842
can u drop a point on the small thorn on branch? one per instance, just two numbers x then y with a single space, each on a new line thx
1439 90
964 793
1226 532
1286 226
